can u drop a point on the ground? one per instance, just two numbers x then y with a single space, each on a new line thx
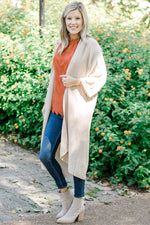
29 196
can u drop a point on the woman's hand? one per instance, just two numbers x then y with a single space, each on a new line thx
69 81
43 110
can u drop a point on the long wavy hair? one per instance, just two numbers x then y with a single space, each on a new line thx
64 34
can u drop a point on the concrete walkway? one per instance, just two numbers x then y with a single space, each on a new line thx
29 196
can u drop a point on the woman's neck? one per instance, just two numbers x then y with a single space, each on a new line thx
74 36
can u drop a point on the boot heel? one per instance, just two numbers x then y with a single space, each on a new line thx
81 216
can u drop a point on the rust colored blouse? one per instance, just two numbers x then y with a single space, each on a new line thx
61 63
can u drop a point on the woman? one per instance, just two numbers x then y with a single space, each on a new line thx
78 73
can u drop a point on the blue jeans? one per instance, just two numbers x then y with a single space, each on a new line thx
50 144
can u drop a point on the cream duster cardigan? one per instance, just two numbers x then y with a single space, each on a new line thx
87 64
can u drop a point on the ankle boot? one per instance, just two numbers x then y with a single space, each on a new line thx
76 212
66 199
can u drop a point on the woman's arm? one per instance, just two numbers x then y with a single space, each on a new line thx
96 74
96 77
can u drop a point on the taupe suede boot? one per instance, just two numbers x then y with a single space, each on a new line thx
66 199
76 212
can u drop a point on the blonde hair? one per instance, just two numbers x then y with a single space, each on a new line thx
64 34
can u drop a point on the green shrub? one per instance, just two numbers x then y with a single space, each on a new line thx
25 69
120 130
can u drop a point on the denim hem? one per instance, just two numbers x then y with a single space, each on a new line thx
79 196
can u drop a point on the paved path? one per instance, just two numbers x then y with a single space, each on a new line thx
29 196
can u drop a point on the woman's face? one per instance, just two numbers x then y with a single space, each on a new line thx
74 23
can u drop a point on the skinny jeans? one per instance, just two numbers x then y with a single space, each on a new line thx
51 140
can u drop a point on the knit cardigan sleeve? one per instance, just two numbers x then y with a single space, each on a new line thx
52 72
96 77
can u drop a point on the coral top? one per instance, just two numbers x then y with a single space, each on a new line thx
61 63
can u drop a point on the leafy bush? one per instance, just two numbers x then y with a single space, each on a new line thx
23 86
120 130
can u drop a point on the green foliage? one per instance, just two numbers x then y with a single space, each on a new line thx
23 67
120 130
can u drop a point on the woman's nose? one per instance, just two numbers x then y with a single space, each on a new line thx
73 21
